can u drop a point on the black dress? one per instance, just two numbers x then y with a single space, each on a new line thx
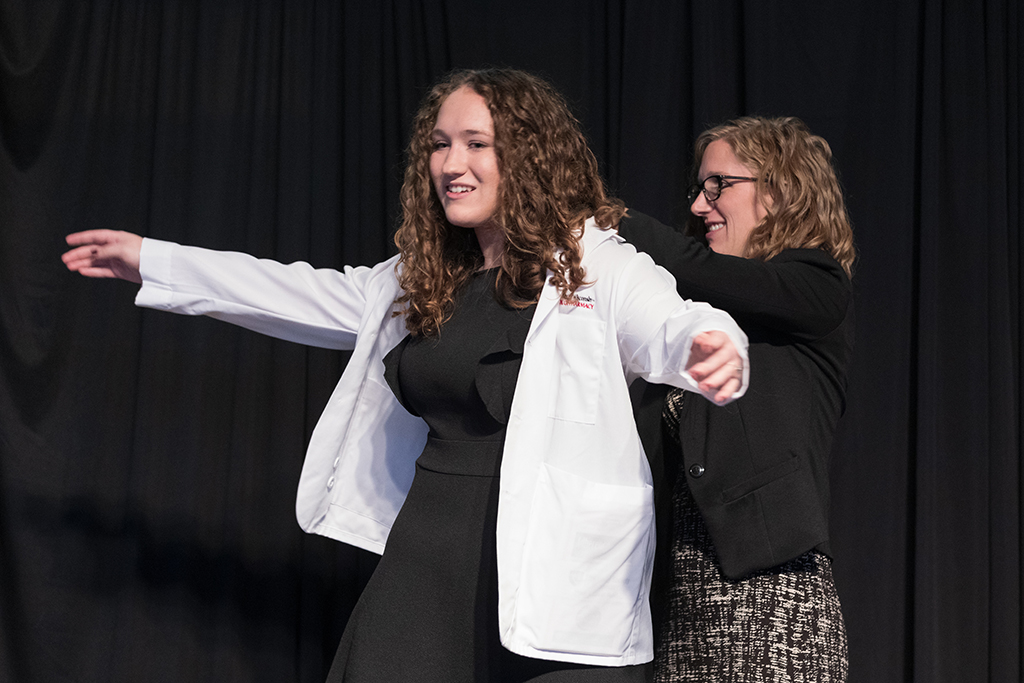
430 611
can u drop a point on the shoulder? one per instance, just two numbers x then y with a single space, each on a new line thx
381 273
605 250
812 261
810 256
387 265
617 272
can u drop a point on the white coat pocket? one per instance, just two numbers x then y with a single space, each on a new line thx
579 352
590 547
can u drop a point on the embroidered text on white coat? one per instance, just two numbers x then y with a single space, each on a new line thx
578 301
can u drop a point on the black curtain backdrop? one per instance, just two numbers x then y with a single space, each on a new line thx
148 462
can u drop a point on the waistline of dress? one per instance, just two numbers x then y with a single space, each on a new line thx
462 458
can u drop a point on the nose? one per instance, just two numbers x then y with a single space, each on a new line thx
700 206
454 161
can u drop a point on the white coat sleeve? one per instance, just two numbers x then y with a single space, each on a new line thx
657 327
294 302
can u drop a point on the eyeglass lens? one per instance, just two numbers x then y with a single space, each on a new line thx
712 187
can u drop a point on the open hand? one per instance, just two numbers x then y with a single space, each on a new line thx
104 253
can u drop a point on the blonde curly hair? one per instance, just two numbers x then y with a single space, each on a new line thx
794 167
549 186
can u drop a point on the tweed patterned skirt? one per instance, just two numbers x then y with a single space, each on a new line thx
779 625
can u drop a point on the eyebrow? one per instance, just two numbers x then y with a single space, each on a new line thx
468 131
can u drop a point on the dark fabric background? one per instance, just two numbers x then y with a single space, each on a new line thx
148 462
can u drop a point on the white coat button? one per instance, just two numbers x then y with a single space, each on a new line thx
336 461
330 483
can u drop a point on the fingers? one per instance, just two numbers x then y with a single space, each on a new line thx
727 391
706 344
722 381
88 244
709 352
716 366
88 259
80 257
90 237
723 391
104 254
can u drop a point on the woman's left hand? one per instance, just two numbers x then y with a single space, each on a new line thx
716 365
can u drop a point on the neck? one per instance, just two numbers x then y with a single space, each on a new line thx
492 244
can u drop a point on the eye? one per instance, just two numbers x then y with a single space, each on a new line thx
438 144
477 145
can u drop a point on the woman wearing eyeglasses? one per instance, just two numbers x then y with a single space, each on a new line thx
746 585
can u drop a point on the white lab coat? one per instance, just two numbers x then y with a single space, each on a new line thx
575 537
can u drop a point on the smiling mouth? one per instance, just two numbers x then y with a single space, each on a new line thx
714 227
458 189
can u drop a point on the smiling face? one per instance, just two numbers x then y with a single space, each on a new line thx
464 164
729 219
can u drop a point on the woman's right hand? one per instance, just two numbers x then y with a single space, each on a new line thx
104 253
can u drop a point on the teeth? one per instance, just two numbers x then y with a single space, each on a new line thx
459 188
715 226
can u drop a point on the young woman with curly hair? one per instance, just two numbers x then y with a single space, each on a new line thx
549 186
482 429
745 588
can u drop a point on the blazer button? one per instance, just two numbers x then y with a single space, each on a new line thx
696 471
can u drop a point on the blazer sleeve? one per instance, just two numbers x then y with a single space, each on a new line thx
800 292
294 302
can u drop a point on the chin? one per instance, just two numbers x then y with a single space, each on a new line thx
460 220
461 223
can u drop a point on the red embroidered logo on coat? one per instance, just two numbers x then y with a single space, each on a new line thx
578 301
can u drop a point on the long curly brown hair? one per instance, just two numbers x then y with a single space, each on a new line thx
794 167
550 185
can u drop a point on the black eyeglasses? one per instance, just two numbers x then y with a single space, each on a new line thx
713 186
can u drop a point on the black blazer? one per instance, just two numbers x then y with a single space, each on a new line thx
758 467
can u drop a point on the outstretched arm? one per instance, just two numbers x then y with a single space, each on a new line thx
296 302
104 253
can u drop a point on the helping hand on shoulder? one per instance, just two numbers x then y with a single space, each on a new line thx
104 253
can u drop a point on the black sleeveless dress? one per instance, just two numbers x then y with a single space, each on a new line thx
429 613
